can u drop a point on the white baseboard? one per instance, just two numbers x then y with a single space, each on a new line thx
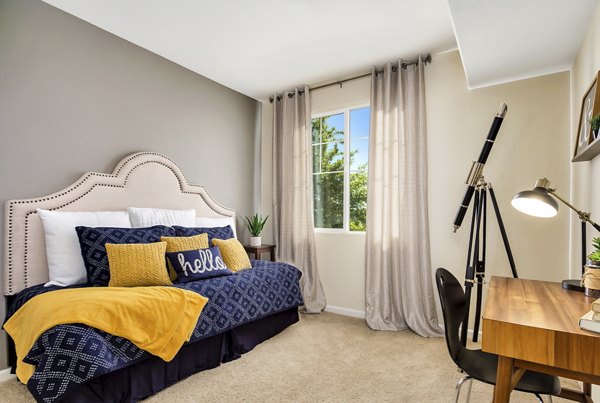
5 375
345 311
361 315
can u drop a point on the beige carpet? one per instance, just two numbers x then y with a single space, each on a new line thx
324 358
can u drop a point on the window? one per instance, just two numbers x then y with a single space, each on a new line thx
340 143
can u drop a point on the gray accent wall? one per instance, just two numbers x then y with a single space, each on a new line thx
75 98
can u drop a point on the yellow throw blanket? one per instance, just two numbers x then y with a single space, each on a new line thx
156 319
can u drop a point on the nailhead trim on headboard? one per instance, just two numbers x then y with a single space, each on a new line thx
126 163
9 248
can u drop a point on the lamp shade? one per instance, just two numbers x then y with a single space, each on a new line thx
536 202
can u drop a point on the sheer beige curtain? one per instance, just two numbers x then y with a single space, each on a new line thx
293 192
399 291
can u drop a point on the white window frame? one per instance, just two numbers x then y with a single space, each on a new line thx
346 213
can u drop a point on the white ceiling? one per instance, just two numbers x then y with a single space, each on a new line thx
507 40
259 47
266 46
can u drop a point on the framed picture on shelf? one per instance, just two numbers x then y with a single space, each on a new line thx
587 145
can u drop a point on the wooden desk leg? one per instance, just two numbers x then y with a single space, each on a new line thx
504 378
257 255
273 255
587 389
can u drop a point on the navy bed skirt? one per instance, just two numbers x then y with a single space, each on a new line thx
150 376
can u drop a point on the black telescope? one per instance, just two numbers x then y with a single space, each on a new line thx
477 167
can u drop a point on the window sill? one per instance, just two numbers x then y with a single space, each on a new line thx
329 231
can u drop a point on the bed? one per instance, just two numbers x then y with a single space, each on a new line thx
77 363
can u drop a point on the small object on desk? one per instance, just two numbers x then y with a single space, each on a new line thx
591 280
573 285
591 275
587 322
258 250
596 305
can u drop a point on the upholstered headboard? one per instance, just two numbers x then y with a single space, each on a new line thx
142 179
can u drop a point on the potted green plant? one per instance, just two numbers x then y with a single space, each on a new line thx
591 277
255 225
595 124
594 257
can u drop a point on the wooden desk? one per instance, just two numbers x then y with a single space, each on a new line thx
535 325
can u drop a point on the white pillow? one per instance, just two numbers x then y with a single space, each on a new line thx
210 222
65 264
147 217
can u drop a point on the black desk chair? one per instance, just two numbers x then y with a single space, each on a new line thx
477 364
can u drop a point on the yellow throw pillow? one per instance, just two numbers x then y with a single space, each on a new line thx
182 244
137 264
233 253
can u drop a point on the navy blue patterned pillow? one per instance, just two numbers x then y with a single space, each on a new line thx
199 264
92 241
213 232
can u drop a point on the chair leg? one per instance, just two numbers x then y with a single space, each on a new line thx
540 400
469 390
460 383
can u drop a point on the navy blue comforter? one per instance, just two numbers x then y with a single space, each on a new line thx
68 355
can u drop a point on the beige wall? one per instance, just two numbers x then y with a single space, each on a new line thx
585 176
74 98
532 143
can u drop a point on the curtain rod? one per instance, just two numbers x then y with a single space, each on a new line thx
426 60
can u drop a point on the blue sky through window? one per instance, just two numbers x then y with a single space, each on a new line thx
337 122
359 136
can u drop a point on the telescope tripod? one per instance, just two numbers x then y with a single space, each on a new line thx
475 270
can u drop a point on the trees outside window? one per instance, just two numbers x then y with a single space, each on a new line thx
340 143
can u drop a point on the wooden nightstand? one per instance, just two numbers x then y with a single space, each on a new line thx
258 250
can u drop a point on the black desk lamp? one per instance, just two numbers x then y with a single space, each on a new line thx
539 202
